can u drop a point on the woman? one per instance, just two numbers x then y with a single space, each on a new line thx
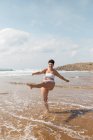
48 81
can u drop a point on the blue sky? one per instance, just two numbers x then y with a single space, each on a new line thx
58 29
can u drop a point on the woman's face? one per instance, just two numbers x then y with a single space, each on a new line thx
50 65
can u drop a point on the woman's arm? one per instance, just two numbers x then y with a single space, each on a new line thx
39 72
60 76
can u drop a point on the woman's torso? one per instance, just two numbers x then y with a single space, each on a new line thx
49 76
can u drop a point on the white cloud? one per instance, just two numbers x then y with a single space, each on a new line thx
11 39
73 53
20 49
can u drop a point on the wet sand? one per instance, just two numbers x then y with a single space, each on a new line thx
23 116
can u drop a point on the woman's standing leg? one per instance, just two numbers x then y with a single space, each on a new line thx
44 92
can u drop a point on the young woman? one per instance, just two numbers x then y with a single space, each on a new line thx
48 81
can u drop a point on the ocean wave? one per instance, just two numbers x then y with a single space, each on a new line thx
18 72
15 73
29 72
76 71
75 87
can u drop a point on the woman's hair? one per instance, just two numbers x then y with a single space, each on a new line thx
51 61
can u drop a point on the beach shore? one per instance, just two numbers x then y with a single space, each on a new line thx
23 116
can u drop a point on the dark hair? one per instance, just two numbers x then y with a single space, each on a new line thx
51 61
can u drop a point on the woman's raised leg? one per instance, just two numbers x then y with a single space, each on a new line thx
46 85
36 85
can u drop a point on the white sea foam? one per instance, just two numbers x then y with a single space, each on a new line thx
76 71
71 104
64 128
27 131
18 72
15 73
29 72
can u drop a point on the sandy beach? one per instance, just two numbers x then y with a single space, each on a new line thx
22 113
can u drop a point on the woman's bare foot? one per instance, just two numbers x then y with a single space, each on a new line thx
30 85
47 111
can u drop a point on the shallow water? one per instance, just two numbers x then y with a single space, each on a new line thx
23 116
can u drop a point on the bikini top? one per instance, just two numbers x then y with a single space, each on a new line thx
50 76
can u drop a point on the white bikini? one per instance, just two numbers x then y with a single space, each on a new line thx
49 77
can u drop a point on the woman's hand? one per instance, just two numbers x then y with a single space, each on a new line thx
32 73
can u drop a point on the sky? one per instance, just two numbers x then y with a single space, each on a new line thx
34 31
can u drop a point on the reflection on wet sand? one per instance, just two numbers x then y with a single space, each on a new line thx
74 113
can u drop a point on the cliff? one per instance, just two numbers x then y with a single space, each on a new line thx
77 67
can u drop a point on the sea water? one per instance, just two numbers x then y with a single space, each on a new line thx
22 112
